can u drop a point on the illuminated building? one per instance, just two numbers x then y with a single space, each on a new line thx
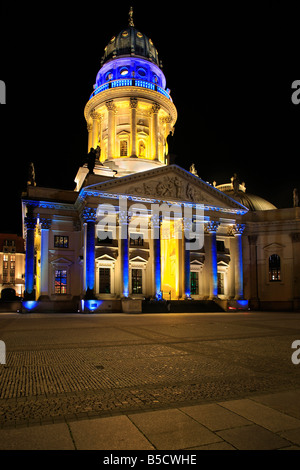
250 251
12 263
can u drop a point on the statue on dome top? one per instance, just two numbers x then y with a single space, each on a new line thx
235 183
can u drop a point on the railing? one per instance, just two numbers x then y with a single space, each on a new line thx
131 82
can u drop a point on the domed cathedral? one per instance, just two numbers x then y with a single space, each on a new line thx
130 113
140 234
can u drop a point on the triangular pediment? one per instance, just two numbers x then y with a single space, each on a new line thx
167 184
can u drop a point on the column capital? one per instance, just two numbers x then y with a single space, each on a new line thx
30 222
123 217
95 116
155 108
133 102
236 229
155 220
111 105
45 223
211 226
89 214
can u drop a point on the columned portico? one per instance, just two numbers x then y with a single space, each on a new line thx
187 262
124 252
30 223
211 258
239 289
45 224
156 256
89 218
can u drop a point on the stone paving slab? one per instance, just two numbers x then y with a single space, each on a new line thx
214 417
115 433
253 438
47 437
286 402
172 429
260 414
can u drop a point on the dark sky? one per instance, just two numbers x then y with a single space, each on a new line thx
229 68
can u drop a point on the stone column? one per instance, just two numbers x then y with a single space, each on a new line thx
187 268
89 217
133 106
95 130
124 252
90 138
252 239
111 107
155 234
45 227
211 258
155 110
296 269
30 222
239 283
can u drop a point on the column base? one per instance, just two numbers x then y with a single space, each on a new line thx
29 296
89 295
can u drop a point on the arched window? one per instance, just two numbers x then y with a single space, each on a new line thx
123 148
274 268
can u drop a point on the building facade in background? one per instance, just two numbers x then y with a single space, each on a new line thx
248 253
12 264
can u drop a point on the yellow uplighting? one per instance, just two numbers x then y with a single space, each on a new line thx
169 261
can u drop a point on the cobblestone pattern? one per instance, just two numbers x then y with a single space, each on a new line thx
59 369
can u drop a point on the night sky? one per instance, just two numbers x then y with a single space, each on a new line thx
229 68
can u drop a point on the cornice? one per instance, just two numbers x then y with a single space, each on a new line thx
130 92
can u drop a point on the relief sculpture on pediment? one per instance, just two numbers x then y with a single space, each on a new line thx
170 187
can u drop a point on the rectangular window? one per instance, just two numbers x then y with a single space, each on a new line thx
5 268
61 241
136 239
137 281
221 283
194 283
12 267
104 280
60 281
274 268
123 148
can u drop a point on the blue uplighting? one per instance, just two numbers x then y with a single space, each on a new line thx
157 272
90 256
91 305
30 304
125 260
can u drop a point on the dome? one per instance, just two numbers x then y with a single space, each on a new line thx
130 42
251 201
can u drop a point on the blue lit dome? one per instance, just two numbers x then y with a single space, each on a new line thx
130 59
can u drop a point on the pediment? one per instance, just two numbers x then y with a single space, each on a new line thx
167 184
61 262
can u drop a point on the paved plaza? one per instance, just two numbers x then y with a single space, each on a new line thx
160 381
